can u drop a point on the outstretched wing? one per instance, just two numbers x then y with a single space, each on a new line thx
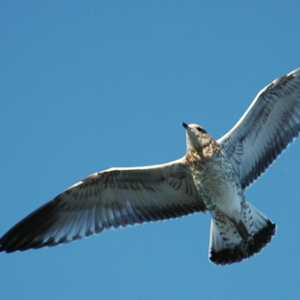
270 123
111 198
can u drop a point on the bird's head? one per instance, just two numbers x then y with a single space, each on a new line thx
196 137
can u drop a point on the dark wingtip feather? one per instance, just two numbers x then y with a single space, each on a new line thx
25 234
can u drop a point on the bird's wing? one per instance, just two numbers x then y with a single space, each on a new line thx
270 123
111 198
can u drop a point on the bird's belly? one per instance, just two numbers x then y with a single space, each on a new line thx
218 189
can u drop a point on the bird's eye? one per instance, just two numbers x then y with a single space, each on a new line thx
200 129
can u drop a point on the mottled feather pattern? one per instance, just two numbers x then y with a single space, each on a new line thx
108 199
268 126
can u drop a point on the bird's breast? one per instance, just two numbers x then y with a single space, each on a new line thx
217 184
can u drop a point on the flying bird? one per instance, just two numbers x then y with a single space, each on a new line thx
212 176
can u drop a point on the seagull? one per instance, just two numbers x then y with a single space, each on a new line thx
212 176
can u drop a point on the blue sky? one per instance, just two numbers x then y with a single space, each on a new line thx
88 85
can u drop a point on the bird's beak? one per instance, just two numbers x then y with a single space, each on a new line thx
185 125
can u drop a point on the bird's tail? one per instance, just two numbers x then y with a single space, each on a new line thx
227 243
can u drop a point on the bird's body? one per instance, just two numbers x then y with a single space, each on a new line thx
216 181
235 225
212 176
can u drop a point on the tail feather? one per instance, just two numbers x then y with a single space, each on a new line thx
226 244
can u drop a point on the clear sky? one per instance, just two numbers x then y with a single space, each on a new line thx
88 85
